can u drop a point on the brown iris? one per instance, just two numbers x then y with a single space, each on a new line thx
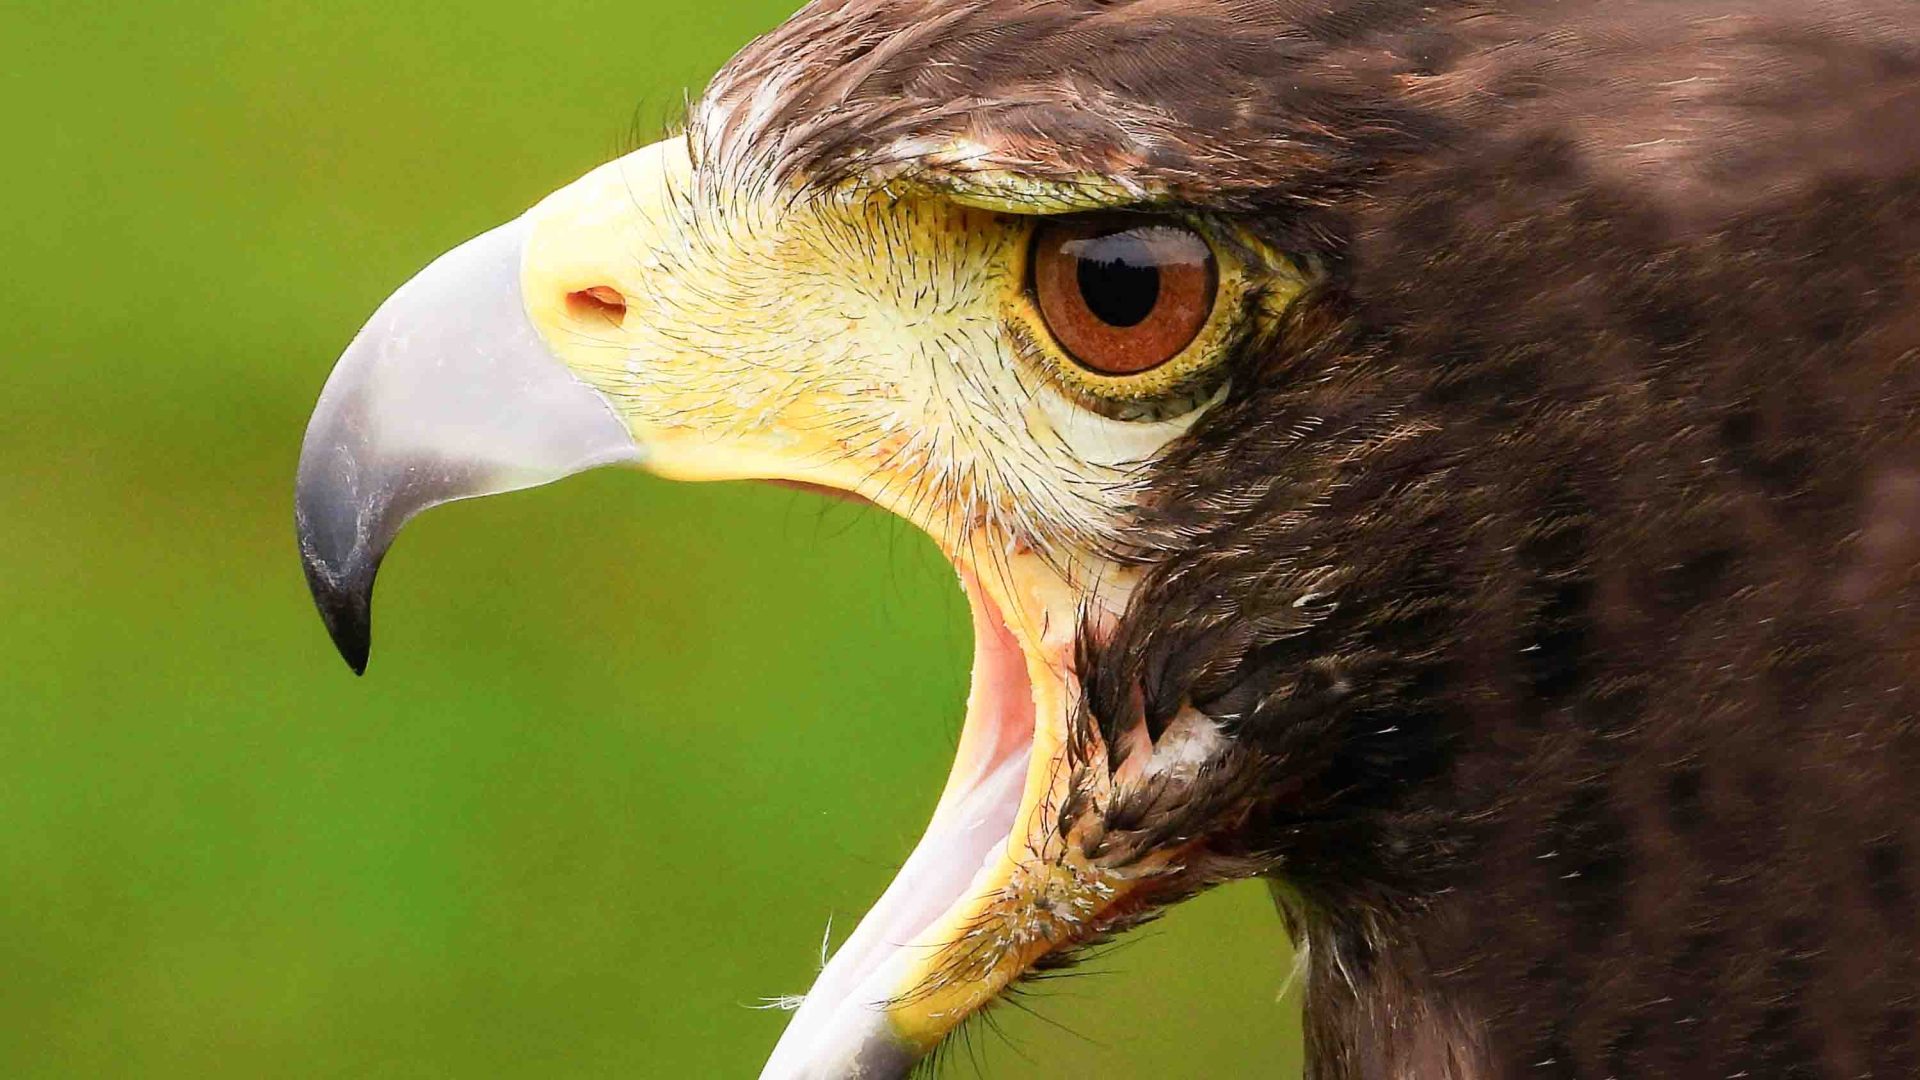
1122 297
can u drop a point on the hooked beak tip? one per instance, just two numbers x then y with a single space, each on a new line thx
344 597
352 632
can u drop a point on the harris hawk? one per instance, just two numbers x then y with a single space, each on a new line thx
1458 460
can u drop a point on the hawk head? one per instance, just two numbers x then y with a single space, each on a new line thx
1359 475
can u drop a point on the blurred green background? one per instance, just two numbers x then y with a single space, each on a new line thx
625 746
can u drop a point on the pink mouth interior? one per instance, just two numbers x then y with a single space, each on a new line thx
963 842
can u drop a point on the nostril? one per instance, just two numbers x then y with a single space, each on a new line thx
603 300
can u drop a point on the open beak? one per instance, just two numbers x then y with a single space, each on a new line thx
575 337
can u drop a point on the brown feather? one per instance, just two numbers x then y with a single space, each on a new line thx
1557 569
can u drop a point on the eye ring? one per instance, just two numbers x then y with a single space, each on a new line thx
1122 296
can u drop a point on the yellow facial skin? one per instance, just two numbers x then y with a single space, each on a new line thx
881 344
864 341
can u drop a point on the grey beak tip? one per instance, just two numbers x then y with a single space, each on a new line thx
344 597
352 633
349 623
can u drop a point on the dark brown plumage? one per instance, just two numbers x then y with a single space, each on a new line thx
1557 568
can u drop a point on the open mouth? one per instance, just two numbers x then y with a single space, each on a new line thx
961 863
454 390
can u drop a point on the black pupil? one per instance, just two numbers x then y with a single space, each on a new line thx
1118 279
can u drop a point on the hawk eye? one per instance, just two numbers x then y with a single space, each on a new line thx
1123 297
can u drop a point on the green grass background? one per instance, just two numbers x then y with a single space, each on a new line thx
625 746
